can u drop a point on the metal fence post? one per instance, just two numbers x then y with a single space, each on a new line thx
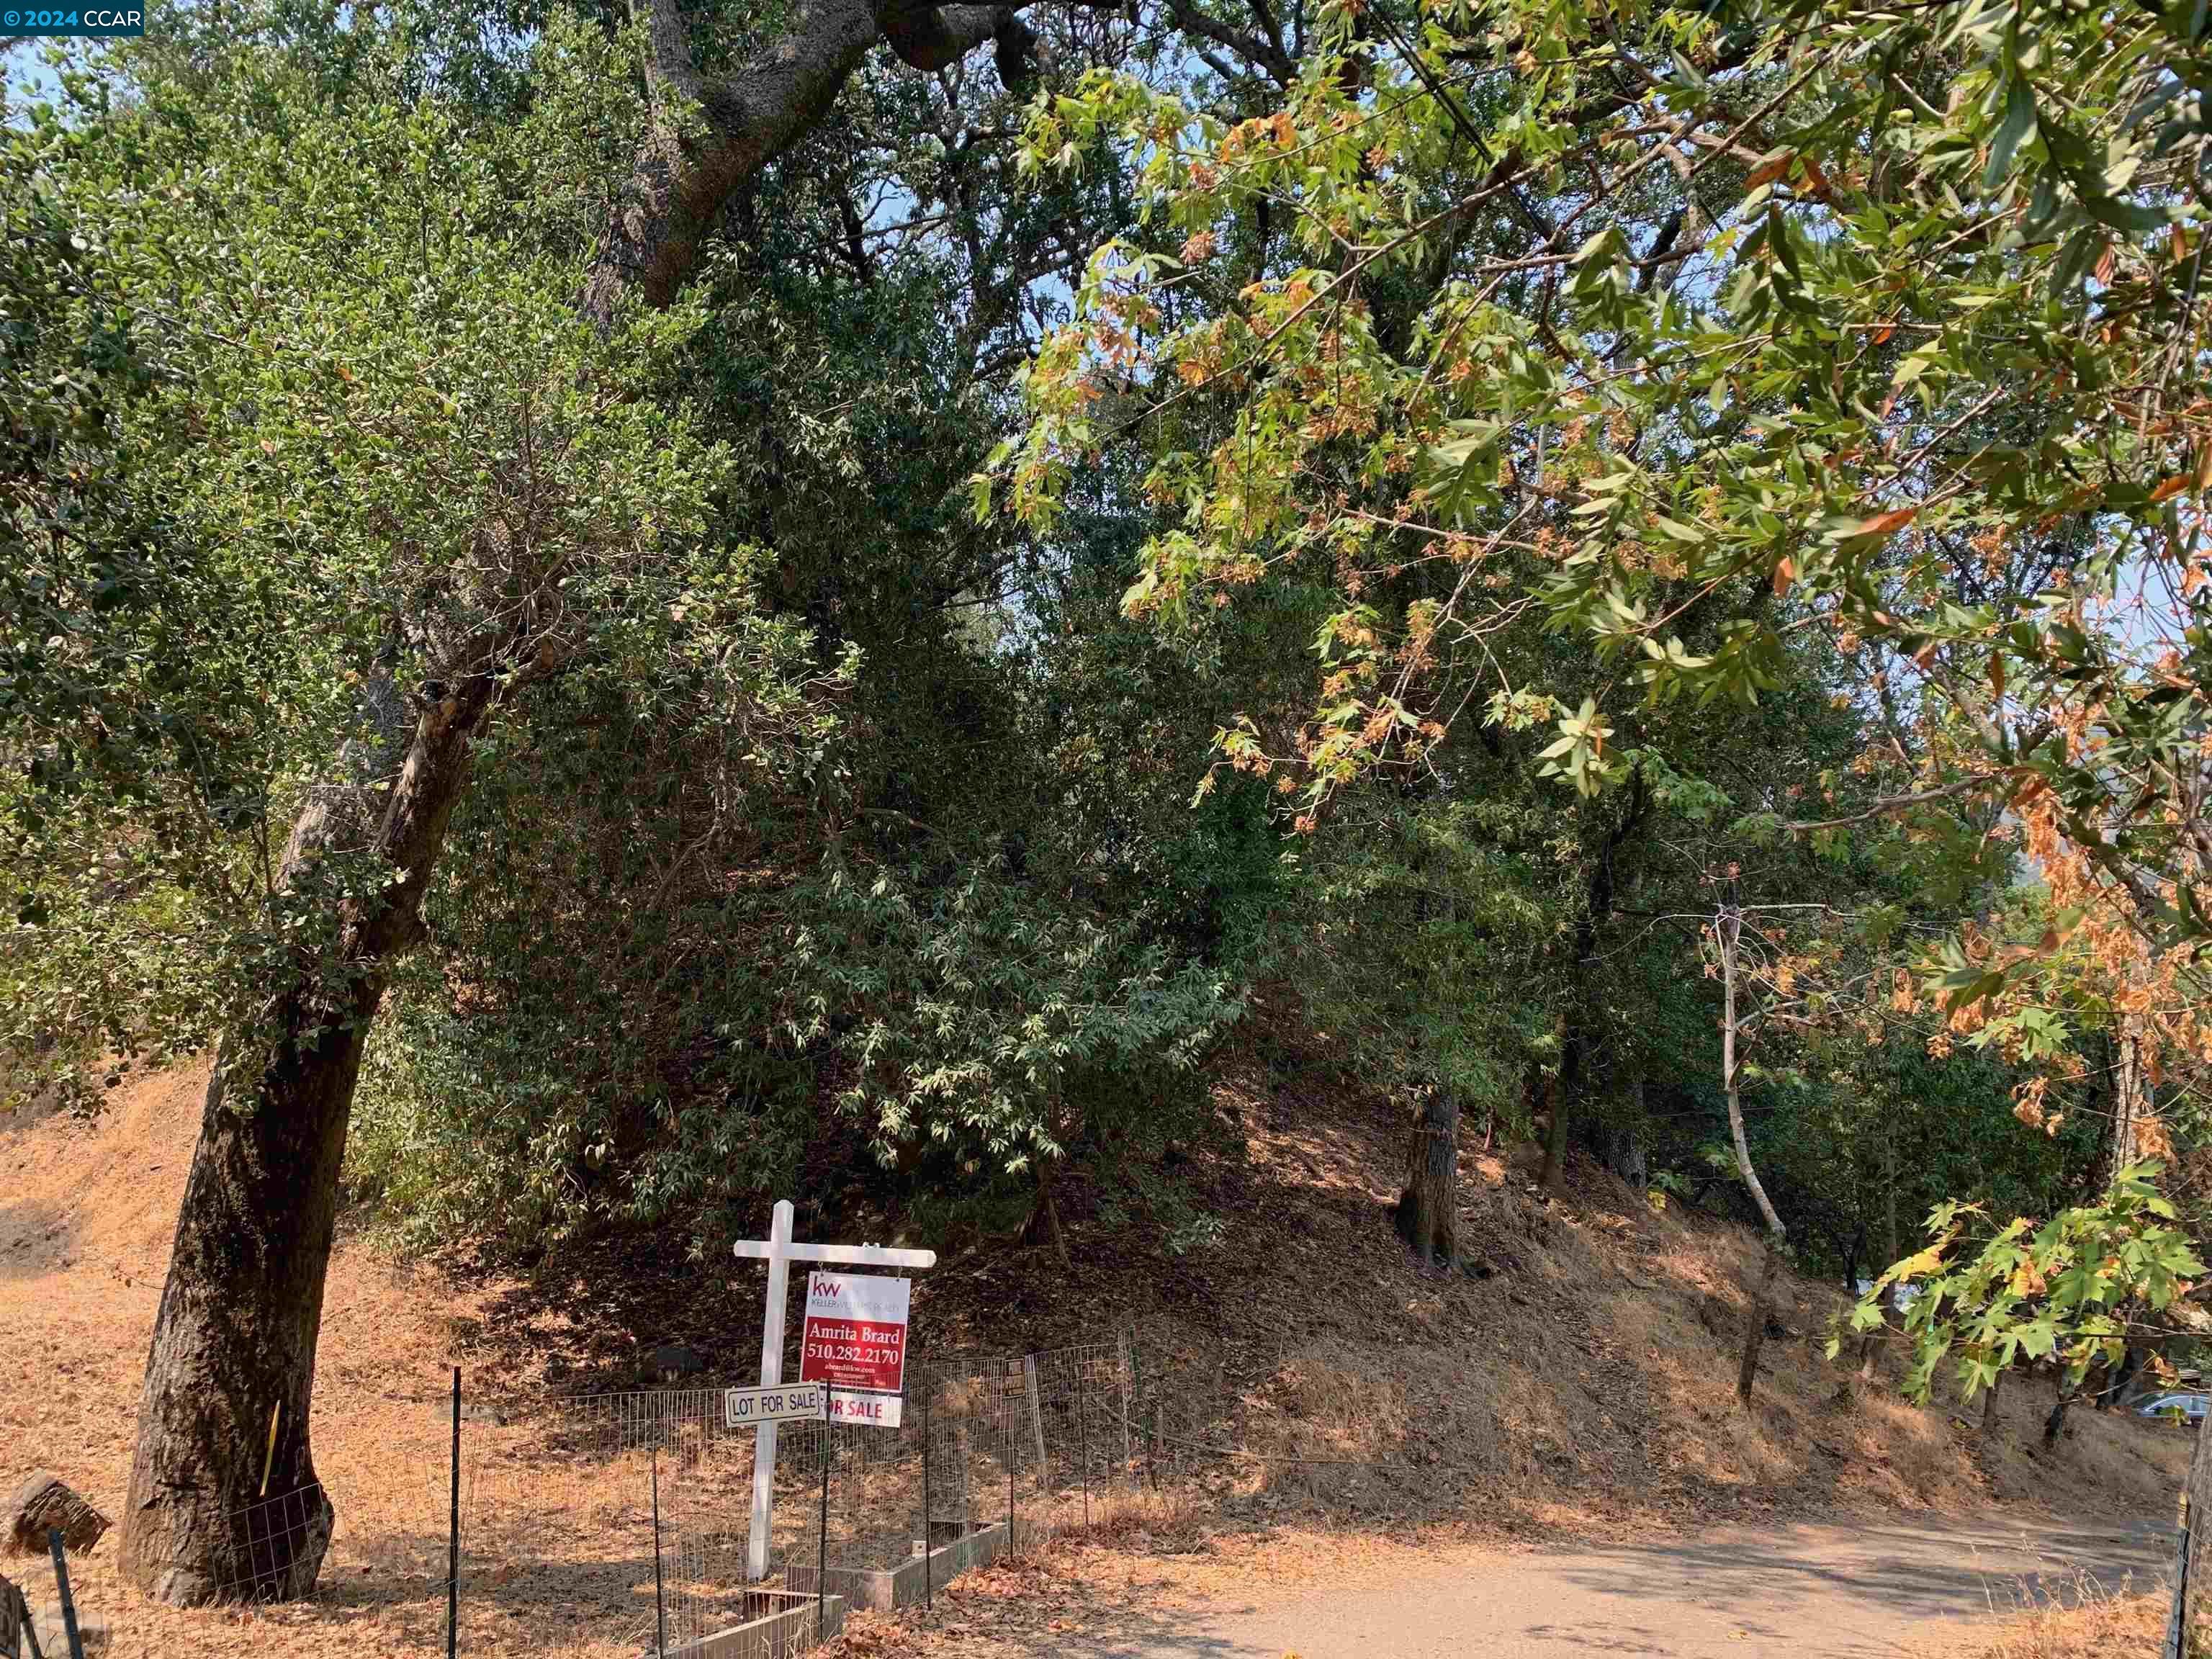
1083 1437
822 1539
17 1613
1137 1379
927 1604
1037 1413
61 1584
2177 1624
454 1534
659 1601
1128 1408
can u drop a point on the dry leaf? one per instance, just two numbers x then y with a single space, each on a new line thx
1884 524
2169 488
1784 573
1768 171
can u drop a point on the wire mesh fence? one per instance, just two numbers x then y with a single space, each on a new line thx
614 1526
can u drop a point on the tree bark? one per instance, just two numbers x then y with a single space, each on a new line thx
1047 1208
2127 1098
1563 1089
1727 929
2055 1424
1598 910
224 1500
1868 1349
2114 1390
1762 1303
1428 1208
709 139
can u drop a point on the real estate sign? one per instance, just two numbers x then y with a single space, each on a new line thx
855 1341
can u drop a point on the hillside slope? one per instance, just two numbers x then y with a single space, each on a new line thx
1579 1375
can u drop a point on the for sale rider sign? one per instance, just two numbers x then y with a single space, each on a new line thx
855 1341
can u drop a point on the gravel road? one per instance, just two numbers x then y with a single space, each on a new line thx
1834 1590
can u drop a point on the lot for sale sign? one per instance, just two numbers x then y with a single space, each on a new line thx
855 1341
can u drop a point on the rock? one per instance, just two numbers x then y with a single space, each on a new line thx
43 1503
673 1362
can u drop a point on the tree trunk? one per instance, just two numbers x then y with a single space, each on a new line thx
1428 1208
1563 1089
223 1500
2054 1425
1048 1211
1762 1304
1889 1223
681 180
2128 1083
2114 1391
1727 929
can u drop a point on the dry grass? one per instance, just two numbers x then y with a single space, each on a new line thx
2087 1622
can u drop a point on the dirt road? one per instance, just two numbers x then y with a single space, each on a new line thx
1826 1591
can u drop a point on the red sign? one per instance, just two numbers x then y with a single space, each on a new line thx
855 1334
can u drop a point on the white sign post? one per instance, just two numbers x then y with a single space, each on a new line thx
778 1252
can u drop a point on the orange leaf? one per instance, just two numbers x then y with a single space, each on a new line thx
2104 263
2176 244
1768 171
1925 654
1885 524
1816 178
1883 334
1996 675
2169 488
1784 573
